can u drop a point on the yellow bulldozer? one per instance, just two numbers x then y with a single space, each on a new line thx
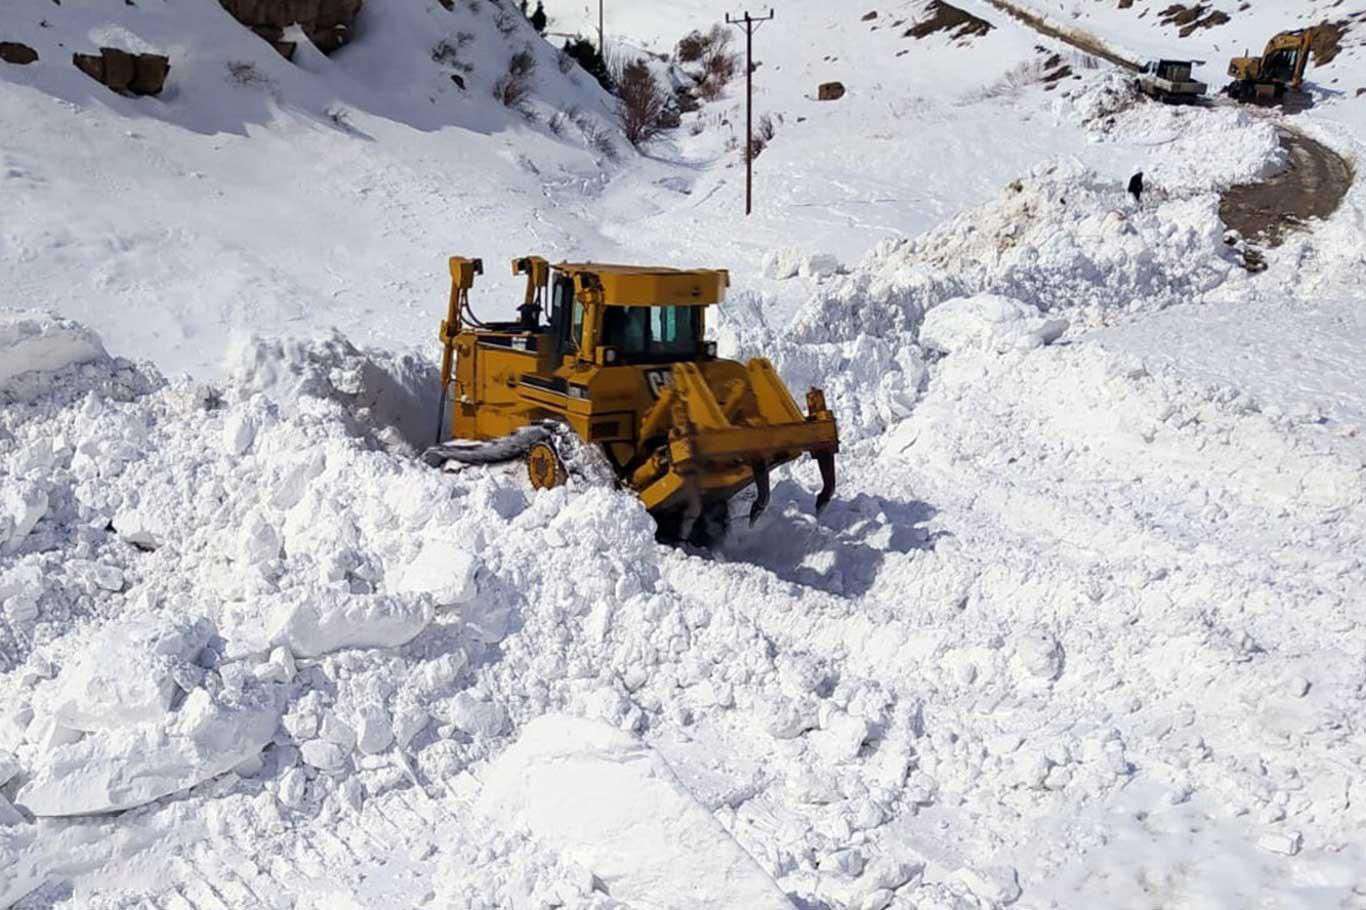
621 363
1279 69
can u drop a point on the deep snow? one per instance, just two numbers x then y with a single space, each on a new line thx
1081 628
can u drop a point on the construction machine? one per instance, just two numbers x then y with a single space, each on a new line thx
1170 80
1279 69
621 363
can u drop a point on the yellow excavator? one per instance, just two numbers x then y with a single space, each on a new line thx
1279 69
621 363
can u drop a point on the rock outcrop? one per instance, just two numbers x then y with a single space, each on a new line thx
135 74
830 91
327 23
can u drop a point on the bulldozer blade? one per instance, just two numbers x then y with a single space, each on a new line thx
826 462
760 470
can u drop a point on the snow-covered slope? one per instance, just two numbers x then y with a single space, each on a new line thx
1081 627
256 194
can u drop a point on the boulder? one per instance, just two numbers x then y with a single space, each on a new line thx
327 23
20 54
137 74
830 91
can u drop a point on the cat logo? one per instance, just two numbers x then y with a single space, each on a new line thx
658 379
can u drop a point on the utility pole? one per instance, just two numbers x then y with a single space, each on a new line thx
750 24
602 45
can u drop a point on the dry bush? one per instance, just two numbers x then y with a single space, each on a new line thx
640 103
447 52
244 73
595 136
514 86
506 22
557 122
523 63
691 47
719 65
564 61
764 131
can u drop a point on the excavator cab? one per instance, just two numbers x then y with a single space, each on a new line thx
622 362
1280 68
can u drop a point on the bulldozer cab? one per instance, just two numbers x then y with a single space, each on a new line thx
612 315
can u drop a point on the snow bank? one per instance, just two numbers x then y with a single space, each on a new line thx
41 342
614 805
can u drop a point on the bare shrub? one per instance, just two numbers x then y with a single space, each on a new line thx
523 63
447 52
244 73
719 65
564 61
595 136
764 131
557 122
513 87
691 48
640 102
505 22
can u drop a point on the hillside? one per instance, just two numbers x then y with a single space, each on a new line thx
1081 627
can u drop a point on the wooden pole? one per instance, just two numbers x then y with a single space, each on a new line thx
750 24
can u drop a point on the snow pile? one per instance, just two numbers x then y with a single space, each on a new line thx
393 395
1183 150
1062 241
603 797
38 342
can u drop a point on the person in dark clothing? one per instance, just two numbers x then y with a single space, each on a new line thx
1136 187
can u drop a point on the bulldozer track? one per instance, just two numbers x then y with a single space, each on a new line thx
1312 186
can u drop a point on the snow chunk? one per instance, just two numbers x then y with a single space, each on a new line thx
32 341
613 805
239 431
9 766
140 528
337 620
113 771
131 675
789 262
987 322
323 755
374 732
21 508
442 570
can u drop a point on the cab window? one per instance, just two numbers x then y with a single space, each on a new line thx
658 333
